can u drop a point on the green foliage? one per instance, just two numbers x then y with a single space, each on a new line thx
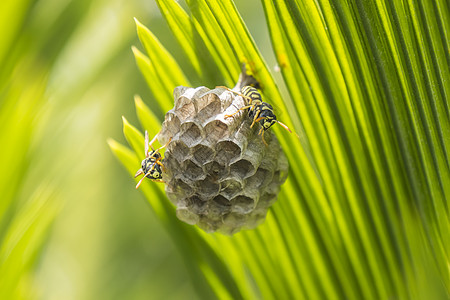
26 210
364 213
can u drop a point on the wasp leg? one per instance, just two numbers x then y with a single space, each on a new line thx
224 87
230 90
161 164
157 150
163 146
158 180
153 167
262 136
256 119
242 108
249 100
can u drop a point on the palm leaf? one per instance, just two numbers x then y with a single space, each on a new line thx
364 213
27 210
29 204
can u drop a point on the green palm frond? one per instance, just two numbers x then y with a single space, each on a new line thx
27 210
28 201
364 213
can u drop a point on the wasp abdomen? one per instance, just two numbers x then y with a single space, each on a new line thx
252 93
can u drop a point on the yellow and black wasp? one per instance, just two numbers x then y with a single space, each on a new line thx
259 111
152 165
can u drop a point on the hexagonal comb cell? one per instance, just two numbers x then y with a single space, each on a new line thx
171 126
191 133
178 150
202 154
242 204
191 171
255 218
242 169
261 178
230 188
232 223
185 215
267 200
210 223
208 107
196 205
176 190
216 170
215 131
219 206
219 173
207 188
227 151
186 109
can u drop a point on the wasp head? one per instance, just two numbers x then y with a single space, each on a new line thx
268 122
267 116
156 173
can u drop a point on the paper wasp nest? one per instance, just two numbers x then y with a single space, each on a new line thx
219 173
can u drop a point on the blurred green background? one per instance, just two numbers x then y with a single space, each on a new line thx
73 59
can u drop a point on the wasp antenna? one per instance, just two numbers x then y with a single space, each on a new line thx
139 172
140 181
153 140
285 127
146 143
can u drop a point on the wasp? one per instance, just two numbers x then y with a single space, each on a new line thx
151 166
259 111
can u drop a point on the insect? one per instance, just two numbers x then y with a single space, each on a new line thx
152 165
261 112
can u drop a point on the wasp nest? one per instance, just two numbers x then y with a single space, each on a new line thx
218 172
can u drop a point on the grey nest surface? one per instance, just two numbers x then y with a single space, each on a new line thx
218 172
